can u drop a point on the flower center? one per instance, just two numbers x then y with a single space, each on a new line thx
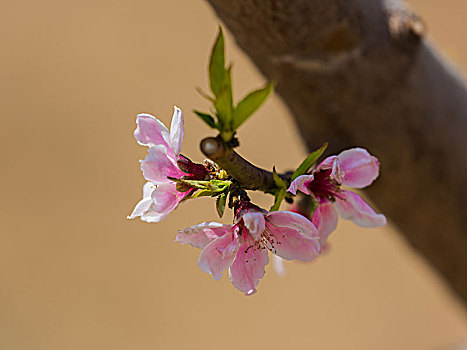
323 186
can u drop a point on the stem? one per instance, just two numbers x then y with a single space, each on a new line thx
250 177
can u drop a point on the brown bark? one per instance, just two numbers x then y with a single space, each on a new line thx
249 176
359 73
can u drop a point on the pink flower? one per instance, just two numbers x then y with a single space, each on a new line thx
353 168
160 195
243 247
324 218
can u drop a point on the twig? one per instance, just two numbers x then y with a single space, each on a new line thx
248 175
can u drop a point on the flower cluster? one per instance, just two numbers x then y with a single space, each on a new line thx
242 247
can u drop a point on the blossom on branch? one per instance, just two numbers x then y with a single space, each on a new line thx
352 168
160 195
243 247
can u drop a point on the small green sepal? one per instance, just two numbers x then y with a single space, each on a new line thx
220 204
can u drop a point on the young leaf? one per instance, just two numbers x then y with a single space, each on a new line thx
220 204
224 100
308 162
207 118
278 199
277 179
313 204
202 193
217 64
219 185
250 103
198 184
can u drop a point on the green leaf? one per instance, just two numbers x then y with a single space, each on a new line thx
223 103
200 185
202 193
308 162
217 64
278 180
207 118
219 185
250 103
278 199
220 204
313 204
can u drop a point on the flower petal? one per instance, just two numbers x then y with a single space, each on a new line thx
158 201
248 268
254 223
353 207
176 131
150 131
300 184
328 163
360 167
333 163
158 165
199 236
166 197
142 206
293 221
290 244
325 219
219 255
145 203
279 265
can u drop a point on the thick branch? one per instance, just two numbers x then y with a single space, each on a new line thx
358 72
249 176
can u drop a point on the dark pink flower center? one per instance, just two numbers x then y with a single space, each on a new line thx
195 171
323 186
268 239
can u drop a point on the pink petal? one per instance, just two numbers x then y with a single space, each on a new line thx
176 131
219 255
360 167
291 244
140 208
328 163
293 221
325 220
199 236
150 131
158 201
159 164
333 163
144 204
354 208
248 268
254 223
279 265
300 184
165 197
152 215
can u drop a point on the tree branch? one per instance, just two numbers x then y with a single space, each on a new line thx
358 72
250 177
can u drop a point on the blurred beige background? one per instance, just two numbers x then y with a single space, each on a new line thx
75 274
